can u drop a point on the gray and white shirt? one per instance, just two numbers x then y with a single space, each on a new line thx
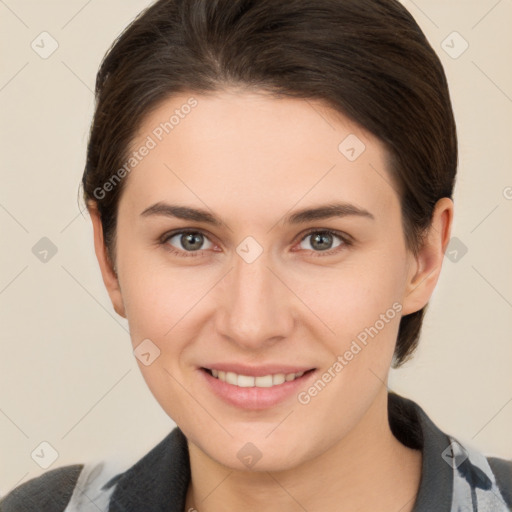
456 477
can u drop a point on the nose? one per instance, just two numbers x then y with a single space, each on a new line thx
255 307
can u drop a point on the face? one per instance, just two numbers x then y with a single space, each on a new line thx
248 289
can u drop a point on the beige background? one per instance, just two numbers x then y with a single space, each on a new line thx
67 373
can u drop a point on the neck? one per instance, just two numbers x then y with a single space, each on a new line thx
369 469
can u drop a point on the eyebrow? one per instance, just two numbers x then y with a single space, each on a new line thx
303 216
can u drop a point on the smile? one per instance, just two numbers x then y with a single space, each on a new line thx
267 387
249 381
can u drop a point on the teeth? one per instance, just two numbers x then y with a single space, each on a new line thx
247 381
278 378
231 378
263 382
244 381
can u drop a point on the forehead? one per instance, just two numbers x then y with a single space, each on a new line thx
252 148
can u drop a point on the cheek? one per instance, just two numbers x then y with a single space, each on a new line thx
361 304
162 307
354 295
158 298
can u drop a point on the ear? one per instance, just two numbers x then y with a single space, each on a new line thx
110 278
426 267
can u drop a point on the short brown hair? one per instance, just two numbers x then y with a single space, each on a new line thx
367 59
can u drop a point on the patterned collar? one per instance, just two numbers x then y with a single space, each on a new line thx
455 477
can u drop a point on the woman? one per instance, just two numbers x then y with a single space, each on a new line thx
270 186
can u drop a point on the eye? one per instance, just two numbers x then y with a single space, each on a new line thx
189 243
322 240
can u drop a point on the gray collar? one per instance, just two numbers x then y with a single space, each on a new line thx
455 477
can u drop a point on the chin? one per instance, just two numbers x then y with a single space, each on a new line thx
255 453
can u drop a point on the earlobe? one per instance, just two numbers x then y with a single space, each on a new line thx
109 275
428 262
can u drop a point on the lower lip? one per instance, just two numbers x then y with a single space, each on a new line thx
255 398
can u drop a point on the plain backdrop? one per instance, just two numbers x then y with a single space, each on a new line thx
68 376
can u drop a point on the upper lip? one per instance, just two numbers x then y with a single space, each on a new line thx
257 371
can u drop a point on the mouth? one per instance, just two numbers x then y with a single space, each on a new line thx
271 387
251 381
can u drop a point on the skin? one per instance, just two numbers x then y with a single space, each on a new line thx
251 159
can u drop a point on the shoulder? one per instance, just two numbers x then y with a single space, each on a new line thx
94 485
49 492
502 470
86 487
483 480
453 470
